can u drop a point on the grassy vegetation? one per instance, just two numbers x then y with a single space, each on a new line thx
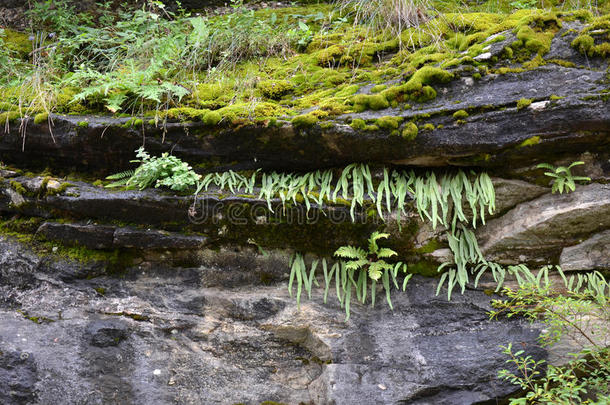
249 66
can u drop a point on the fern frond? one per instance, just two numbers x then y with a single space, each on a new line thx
350 252
121 175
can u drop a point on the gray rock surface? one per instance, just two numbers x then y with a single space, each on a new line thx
159 336
591 254
539 229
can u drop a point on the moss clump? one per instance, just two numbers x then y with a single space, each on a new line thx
388 122
18 187
358 124
9 116
305 120
409 132
460 115
83 124
208 117
523 103
274 89
534 140
66 104
329 57
585 44
211 118
4 106
417 88
429 247
378 88
17 42
41 118
375 102
428 127
361 125
555 97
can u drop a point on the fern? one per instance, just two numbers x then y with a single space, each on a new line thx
298 273
562 177
166 170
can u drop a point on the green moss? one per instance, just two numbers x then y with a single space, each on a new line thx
83 124
41 118
100 290
364 102
388 122
206 116
329 57
409 132
555 98
378 88
65 103
274 89
476 76
358 124
460 114
417 88
425 268
523 103
429 247
347 91
63 187
4 106
534 140
18 187
305 120
17 42
9 116
428 127
211 118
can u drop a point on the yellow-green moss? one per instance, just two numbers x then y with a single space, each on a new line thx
364 102
460 114
534 140
428 127
186 113
274 89
304 120
523 103
388 122
417 87
330 56
83 124
17 42
358 124
10 116
41 118
18 187
555 97
379 87
410 131
585 44
4 106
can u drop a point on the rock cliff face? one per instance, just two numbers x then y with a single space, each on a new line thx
149 297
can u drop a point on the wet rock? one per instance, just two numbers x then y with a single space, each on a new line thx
591 254
538 230
155 239
90 236
18 377
172 340
7 173
104 333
